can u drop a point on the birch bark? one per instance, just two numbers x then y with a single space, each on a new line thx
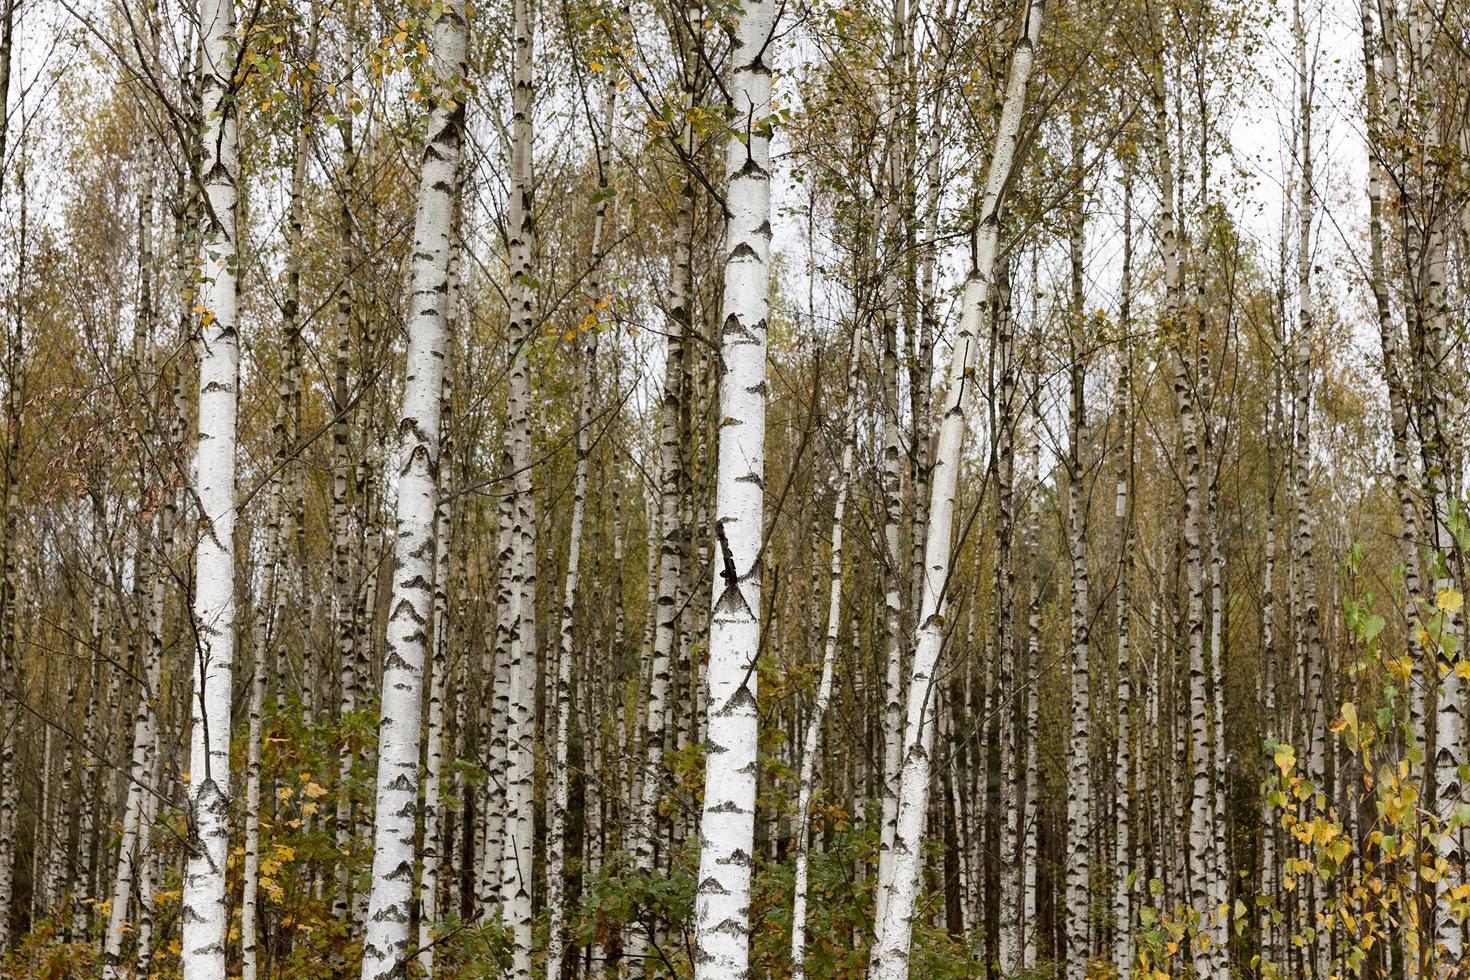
386 941
1029 789
516 856
1079 769
1122 512
1181 344
812 738
344 628
895 933
270 618
670 536
434 816
889 263
265 625
587 365
204 903
727 824
1009 727
1381 123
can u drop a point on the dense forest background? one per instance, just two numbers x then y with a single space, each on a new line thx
948 488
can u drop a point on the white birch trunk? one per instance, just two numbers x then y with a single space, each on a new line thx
1201 807
386 941
1220 872
344 628
497 728
270 616
1029 788
44 848
1079 768
130 848
134 839
892 624
1012 707
258 683
87 776
1381 125
434 821
1123 953
204 904
889 263
812 738
1449 730
516 871
895 933
665 610
727 824
561 773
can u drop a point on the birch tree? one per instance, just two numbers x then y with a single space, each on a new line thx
519 514
386 943
1079 750
727 824
205 910
1096 804
587 356
1123 740
895 933
813 733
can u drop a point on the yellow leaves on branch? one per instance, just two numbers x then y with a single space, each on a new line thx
270 870
1449 600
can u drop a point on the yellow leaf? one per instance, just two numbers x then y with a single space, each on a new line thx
1285 759
1449 600
314 790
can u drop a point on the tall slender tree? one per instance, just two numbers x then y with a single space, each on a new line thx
205 910
895 932
390 910
727 824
